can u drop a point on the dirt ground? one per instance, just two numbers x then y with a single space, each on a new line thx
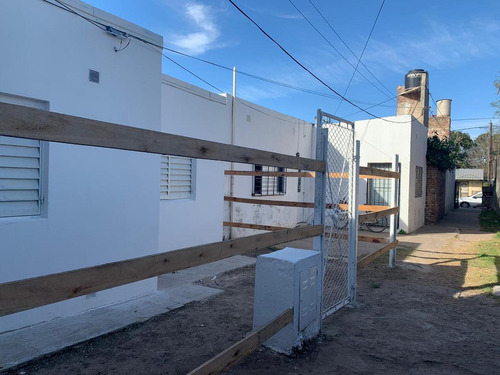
422 317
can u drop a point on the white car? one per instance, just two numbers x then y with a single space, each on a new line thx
475 200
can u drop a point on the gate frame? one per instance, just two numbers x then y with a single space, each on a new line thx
320 205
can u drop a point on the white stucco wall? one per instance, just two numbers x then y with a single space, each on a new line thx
450 191
380 141
102 204
262 128
191 111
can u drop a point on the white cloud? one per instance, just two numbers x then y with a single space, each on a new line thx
200 41
438 46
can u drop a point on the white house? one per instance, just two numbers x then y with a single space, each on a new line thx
380 140
64 207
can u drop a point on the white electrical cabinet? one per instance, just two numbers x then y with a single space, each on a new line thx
283 279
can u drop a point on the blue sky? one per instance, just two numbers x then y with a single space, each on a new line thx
457 42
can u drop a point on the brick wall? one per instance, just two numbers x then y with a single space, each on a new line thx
439 125
435 196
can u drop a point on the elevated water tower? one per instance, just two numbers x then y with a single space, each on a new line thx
413 97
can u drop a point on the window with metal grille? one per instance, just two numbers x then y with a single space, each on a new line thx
269 185
419 181
176 181
20 177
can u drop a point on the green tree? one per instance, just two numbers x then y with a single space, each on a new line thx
496 103
449 153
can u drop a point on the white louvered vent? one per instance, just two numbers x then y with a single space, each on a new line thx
19 177
176 177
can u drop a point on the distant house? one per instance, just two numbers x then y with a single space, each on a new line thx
380 140
469 181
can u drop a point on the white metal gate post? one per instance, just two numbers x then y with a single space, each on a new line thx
394 217
353 226
320 197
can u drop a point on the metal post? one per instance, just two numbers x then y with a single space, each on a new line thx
231 179
393 221
353 226
320 198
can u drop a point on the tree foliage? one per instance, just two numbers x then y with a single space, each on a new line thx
448 154
496 103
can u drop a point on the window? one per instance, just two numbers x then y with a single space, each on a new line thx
23 162
176 180
418 181
269 185
20 177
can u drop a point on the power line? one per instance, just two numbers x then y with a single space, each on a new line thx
333 47
110 29
345 44
362 52
190 72
268 80
471 119
301 65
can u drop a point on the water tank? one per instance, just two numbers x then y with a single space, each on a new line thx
414 78
443 107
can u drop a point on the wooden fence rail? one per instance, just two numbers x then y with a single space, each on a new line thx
274 202
373 216
371 257
24 122
26 294
245 346
364 172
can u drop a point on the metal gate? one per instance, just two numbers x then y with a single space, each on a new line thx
340 214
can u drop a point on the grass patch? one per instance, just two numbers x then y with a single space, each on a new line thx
489 221
483 270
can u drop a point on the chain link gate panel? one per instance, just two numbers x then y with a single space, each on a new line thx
340 216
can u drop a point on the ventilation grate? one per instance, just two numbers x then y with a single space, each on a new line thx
93 76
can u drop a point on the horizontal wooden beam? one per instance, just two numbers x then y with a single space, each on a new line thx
374 216
32 123
270 174
245 346
371 207
252 226
364 172
367 172
373 239
26 294
371 257
344 236
274 202
269 202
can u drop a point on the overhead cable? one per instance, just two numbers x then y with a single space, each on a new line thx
362 52
302 65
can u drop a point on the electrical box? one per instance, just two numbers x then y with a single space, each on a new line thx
283 279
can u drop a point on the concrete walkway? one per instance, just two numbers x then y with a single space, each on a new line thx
174 291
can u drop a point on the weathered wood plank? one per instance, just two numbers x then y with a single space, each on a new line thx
32 123
373 239
269 202
343 235
26 294
371 257
270 174
252 226
373 216
274 202
245 346
367 172
372 208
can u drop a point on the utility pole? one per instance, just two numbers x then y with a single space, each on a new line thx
490 165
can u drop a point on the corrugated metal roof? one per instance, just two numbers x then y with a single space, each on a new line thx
469 174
